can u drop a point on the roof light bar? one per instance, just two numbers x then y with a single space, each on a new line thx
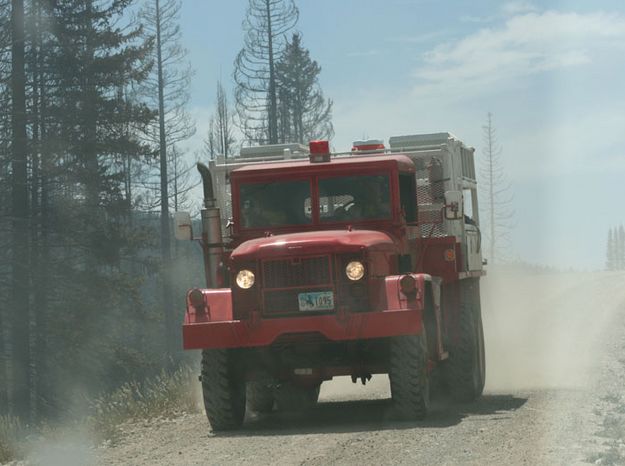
368 145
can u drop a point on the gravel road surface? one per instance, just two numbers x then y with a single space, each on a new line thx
554 395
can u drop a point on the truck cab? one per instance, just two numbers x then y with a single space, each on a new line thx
338 264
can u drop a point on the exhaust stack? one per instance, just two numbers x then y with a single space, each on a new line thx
212 241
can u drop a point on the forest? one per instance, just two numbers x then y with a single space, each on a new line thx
93 120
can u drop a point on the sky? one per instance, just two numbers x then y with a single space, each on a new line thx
551 73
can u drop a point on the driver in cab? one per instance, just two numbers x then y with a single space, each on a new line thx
371 202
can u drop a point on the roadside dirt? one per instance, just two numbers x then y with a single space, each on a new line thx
554 395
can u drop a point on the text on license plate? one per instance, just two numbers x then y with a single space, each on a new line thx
316 301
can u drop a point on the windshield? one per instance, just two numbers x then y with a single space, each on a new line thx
341 198
361 197
277 203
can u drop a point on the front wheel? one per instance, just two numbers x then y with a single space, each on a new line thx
409 377
223 389
466 368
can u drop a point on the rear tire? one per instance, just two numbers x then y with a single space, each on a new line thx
223 389
466 368
293 398
409 377
260 396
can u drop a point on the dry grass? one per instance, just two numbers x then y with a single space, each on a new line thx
11 434
166 395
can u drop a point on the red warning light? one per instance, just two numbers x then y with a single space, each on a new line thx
319 151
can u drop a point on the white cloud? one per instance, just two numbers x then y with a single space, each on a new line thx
515 8
525 45
477 19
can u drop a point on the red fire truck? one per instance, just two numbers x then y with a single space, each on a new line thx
321 265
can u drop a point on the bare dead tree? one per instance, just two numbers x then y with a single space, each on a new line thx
220 138
210 142
170 86
256 93
183 174
497 196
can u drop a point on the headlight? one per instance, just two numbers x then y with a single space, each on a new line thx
245 279
355 270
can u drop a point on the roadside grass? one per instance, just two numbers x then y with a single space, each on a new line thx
612 429
612 456
11 435
164 396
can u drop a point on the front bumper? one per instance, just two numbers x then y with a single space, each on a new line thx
334 327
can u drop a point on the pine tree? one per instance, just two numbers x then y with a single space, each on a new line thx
620 241
256 93
40 163
303 112
92 131
610 251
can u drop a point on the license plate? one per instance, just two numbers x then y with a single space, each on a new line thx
317 301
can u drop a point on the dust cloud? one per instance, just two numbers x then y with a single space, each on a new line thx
66 449
542 330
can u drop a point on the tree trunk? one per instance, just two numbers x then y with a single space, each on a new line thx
168 320
20 211
42 256
273 107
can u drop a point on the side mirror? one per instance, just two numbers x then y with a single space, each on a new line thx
453 205
182 226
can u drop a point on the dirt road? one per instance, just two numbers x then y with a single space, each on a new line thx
555 395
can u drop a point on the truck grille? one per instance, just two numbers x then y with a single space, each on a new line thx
289 273
284 279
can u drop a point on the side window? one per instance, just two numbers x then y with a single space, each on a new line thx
408 196
469 198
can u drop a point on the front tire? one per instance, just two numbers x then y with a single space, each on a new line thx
409 377
466 371
223 389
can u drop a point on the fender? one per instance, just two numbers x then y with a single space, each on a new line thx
397 299
431 318
217 306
